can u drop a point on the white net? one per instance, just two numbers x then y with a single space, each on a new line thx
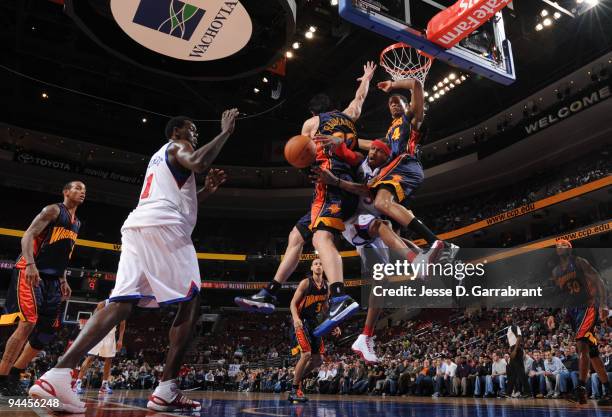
402 61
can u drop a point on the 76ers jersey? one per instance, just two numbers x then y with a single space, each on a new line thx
356 228
168 196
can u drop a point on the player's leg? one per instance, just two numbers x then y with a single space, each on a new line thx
105 388
82 372
299 372
264 300
582 348
364 344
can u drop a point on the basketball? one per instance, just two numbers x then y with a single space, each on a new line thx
300 151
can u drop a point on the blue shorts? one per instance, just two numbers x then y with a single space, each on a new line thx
303 226
403 176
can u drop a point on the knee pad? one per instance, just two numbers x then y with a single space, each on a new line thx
43 334
593 351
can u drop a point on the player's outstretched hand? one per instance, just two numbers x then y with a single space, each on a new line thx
323 175
368 71
228 120
327 141
386 86
214 179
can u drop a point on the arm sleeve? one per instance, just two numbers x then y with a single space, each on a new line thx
344 153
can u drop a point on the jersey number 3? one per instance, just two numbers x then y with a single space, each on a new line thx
147 188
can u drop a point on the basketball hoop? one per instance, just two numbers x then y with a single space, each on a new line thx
402 61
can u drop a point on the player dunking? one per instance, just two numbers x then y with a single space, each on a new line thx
39 285
106 348
308 300
158 263
575 276
328 201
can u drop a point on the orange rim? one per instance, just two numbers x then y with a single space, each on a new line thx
404 45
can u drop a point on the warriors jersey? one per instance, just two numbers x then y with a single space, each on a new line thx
168 196
336 123
313 301
53 246
402 137
572 281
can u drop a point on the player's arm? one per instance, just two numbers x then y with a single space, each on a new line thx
121 332
354 108
40 222
297 298
327 177
213 181
64 287
310 126
416 110
201 159
593 278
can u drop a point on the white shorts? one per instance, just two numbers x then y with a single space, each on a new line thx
106 348
158 265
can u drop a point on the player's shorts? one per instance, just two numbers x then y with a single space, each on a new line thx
331 206
303 226
403 176
304 341
584 321
106 348
158 265
33 304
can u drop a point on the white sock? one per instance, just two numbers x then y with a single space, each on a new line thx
166 390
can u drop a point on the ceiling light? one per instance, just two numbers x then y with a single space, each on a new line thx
547 22
256 90
437 95
435 87
426 94
308 35
593 2
334 2
265 80
451 85
452 76
544 13
446 80
289 54
296 45
463 78
446 88
312 29
431 99
442 92
44 95
457 81
143 120
539 27
440 84
557 15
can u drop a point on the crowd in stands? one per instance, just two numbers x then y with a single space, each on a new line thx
462 357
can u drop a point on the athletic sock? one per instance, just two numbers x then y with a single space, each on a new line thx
336 289
368 331
166 390
273 287
420 229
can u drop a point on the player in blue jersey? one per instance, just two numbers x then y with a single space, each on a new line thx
39 285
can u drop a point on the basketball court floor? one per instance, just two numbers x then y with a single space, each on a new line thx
239 404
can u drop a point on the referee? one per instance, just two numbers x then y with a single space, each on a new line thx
517 378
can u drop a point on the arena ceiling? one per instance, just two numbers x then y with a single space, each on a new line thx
51 50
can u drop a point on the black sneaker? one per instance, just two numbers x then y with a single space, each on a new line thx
297 396
262 302
340 308
12 387
4 389
448 253
580 395
605 400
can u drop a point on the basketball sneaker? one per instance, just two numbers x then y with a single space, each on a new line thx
340 308
180 402
55 385
262 302
105 388
606 399
297 396
580 395
79 387
364 347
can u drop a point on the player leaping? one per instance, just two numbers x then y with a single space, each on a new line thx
329 205
158 263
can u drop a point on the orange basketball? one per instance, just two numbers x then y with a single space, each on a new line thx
300 151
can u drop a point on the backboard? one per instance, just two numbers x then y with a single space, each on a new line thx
486 51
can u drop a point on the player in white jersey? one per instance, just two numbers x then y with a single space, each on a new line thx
158 263
107 349
366 230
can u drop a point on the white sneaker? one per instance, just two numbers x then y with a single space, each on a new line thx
180 402
364 347
55 384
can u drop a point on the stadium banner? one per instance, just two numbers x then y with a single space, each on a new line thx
525 209
479 278
32 158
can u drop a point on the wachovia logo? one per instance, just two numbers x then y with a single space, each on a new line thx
193 30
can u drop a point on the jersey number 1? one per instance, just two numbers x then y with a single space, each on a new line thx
147 187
